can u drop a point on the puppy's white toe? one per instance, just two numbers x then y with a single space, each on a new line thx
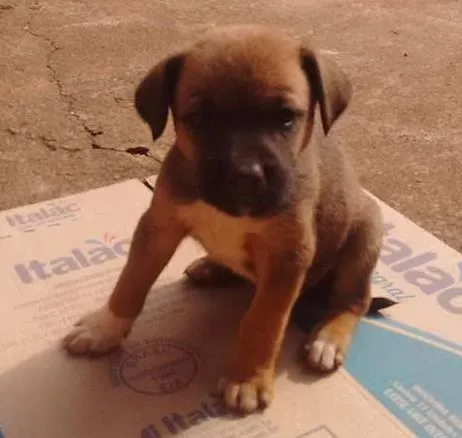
97 332
324 355
248 396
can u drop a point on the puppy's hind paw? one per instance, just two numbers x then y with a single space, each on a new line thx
323 355
206 272
328 346
97 333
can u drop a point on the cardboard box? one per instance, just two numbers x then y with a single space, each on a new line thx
59 259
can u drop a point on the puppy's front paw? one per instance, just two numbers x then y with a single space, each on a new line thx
248 395
97 333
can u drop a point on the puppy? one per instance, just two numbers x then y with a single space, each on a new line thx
255 178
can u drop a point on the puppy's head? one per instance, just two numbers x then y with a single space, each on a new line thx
242 101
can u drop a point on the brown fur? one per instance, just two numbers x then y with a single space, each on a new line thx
322 236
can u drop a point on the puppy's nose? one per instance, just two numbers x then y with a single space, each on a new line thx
251 175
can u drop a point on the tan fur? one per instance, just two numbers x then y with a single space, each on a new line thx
222 237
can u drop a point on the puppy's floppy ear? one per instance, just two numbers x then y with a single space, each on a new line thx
154 95
330 86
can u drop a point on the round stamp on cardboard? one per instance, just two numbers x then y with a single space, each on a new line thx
159 367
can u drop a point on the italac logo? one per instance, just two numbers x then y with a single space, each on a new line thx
92 252
420 269
51 212
176 423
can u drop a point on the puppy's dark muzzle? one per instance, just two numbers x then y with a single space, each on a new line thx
251 188
249 179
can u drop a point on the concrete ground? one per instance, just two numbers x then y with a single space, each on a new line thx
68 69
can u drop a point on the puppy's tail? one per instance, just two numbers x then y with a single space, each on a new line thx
380 303
308 310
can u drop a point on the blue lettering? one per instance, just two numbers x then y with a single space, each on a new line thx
80 257
398 294
24 274
176 423
387 227
447 300
393 251
10 220
54 212
63 265
75 260
428 283
378 279
122 248
428 279
413 262
43 213
34 217
39 269
101 255
72 208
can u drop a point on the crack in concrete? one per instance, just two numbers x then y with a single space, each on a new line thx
50 142
54 47
47 140
141 150
138 150
6 6
94 134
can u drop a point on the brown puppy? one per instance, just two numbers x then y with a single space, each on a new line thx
255 179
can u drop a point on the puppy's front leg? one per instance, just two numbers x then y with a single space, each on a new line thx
250 381
154 242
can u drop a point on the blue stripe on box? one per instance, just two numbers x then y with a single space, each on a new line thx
417 332
417 382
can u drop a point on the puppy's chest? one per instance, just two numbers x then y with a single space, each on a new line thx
222 236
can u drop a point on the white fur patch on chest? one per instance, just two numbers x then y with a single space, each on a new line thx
221 235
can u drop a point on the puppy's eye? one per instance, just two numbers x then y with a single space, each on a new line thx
285 118
195 120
